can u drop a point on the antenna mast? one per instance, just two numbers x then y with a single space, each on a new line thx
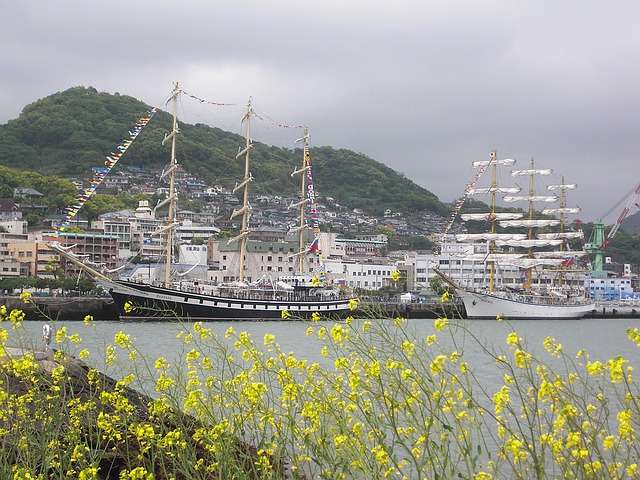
245 210
172 199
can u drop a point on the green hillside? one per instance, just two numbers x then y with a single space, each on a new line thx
69 132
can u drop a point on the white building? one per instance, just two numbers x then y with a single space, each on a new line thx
187 231
465 265
367 276
193 254
13 226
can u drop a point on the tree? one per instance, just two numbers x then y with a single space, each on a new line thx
438 286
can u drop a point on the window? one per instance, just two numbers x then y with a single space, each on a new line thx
280 259
269 268
224 257
421 270
279 269
269 258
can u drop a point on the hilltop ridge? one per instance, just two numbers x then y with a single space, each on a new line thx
70 132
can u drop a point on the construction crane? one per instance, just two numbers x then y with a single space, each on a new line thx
598 241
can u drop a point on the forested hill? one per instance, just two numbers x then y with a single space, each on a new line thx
69 132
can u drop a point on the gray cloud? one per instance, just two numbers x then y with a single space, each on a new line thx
423 86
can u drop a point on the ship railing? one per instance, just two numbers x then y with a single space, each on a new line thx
544 299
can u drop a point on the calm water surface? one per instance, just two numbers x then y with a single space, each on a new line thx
602 338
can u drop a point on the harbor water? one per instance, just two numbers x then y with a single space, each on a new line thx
602 338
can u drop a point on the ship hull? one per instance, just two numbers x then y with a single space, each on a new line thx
156 303
485 306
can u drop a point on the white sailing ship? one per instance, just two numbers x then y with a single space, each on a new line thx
539 250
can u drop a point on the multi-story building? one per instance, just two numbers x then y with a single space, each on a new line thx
356 247
466 266
9 210
363 275
99 248
13 226
188 231
612 286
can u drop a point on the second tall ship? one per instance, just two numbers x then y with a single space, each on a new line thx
302 296
546 247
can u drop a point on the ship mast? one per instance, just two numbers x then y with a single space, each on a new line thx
172 199
245 210
563 206
301 204
494 190
530 236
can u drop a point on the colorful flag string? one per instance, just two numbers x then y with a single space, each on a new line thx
111 160
461 201
266 118
208 102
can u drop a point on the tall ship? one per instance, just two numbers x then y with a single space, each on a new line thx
298 296
541 245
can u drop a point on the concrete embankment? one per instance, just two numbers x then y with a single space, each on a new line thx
417 310
615 310
63 308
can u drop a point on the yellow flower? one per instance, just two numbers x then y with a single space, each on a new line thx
193 355
408 348
25 297
440 323
513 339
284 314
83 354
595 368
632 469
634 335
161 363
122 339
608 442
353 303
625 427
501 399
552 347
315 316
128 307
138 473
339 440
482 476
230 332
431 339
522 358
89 473
269 339
616 369
381 455
88 320
499 317
315 281
437 364
445 297
61 334
395 275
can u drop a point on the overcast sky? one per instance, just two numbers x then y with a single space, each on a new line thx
424 86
